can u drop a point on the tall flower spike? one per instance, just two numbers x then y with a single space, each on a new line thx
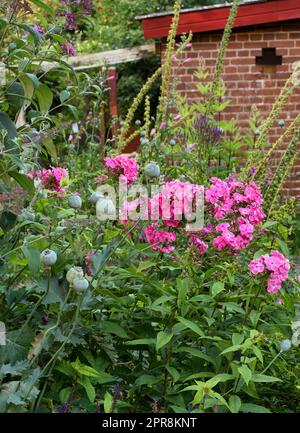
166 69
277 108
216 82
283 171
261 168
130 115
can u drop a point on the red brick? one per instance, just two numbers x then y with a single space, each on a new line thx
246 83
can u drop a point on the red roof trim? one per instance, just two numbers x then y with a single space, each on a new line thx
273 11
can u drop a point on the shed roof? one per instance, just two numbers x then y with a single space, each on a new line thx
211 18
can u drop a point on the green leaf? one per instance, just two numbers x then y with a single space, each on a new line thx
195 352
64 394
45 98
142 341
283 246
234 404
33 257
64 95
50 147
217 288
233 306
66 368
146 379
163 338
222 377
201 298
36 36
43 6
143 266
173 372
89 388
218 396
114 328
59 39
182 287
28 89
24 181
264 378
7 124
88 371
257 352
108 402
191 325
254 408
3 23
237 338
254 317
198 396
246 373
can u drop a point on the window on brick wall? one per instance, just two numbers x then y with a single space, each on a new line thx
269 57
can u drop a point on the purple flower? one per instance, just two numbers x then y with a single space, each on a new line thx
209 134
38 29
70 20
252 171
63 408
69 49
87 6
21 5
45 320
116 395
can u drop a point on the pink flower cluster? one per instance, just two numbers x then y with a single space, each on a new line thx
126 168
101 179
234 211
174 201
276 264
88 263
172 206
240 205
197 243
51 178
160 239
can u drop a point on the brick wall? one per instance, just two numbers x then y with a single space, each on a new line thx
249 84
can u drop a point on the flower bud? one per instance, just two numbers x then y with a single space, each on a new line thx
75 202
74 273
80 284
95 196
285 345
152 170
105 209
48 257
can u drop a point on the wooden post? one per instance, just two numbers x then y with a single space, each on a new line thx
113 99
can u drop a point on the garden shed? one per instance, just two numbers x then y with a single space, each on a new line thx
264 50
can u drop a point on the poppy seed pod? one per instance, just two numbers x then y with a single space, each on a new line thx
48 257
285 345
75 202
80 284
95 196
74 273
105 209
152 170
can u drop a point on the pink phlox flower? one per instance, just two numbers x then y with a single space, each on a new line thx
277 265
122 166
